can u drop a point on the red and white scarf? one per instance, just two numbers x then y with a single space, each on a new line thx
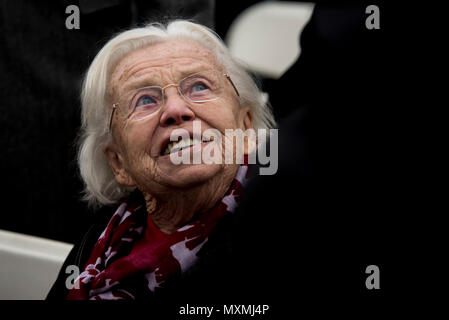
132 256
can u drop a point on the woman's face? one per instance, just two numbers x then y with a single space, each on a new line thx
136 154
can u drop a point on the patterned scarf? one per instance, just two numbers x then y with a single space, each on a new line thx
132 257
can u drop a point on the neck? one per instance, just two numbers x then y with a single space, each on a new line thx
174 209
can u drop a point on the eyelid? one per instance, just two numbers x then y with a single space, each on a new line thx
143 92
201 80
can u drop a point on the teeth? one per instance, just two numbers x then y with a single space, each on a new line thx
176 146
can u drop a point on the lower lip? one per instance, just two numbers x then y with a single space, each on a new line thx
196 147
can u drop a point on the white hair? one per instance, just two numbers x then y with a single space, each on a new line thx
101 187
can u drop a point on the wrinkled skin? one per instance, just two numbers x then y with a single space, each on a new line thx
174 193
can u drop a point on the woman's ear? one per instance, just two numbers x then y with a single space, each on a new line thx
116 162
247 126
247 119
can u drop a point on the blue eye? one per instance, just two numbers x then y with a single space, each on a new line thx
145 100
199 86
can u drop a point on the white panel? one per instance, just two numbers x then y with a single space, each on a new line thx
29 265
265 37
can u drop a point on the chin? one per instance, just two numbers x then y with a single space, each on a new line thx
190 175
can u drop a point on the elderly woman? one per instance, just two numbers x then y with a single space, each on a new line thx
143 85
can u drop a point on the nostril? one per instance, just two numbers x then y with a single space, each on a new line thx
170 121
173 117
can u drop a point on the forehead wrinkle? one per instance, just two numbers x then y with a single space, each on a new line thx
140 61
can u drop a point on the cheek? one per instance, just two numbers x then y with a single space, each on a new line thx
221 116
139 164
136 143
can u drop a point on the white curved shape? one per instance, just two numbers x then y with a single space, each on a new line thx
265 37
29 265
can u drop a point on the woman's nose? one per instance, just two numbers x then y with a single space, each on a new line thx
175 110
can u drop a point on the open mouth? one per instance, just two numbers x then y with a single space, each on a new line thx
175 146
